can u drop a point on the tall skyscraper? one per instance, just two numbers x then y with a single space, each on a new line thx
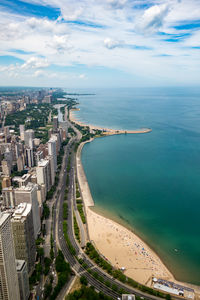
55 124
21 130
23 232
28 135
38 156
56 137
52 169
9 286
6 167
29 157
52 151
22 273
43 172
28 194
8 197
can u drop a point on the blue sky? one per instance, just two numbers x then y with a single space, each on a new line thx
100 43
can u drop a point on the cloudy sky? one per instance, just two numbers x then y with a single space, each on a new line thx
100 43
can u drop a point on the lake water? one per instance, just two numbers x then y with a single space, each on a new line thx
151 182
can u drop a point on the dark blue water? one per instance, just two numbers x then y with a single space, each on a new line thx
150 181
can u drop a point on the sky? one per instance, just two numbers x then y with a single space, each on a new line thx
100 43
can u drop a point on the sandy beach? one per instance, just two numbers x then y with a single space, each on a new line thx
124 249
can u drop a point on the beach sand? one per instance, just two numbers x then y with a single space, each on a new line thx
124 249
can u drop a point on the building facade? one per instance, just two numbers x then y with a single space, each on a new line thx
23 232
28 194
9 286
22 274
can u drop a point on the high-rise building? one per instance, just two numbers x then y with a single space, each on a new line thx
43 172
52 151
6 182
9 286
23 232
17 150
22 273
7 134
47 99
8 197
29 157
6 167
38 156
21 130
8 155
28 135
28 194
55 124
20 163
52 170
56 137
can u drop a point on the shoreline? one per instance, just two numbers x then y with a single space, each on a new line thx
106 131
117 243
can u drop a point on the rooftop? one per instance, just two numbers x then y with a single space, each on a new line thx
3 217
43 163
29 187
19 264
22 210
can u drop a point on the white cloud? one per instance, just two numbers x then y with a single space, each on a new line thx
153 18
111 43
109 24
60 43
38 73
35 63
82 76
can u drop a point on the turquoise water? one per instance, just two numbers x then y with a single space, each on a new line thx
150 181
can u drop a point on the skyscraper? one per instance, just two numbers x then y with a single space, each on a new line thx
29 157
23 232
28 135
55 124
52 151
22 273
28 194
21 130
43 172
9 286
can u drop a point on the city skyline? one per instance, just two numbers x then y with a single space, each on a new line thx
99 43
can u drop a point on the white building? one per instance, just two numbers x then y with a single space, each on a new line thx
21 130
52 150
9 286
43 172
28 194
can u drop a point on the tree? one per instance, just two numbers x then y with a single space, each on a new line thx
83 280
